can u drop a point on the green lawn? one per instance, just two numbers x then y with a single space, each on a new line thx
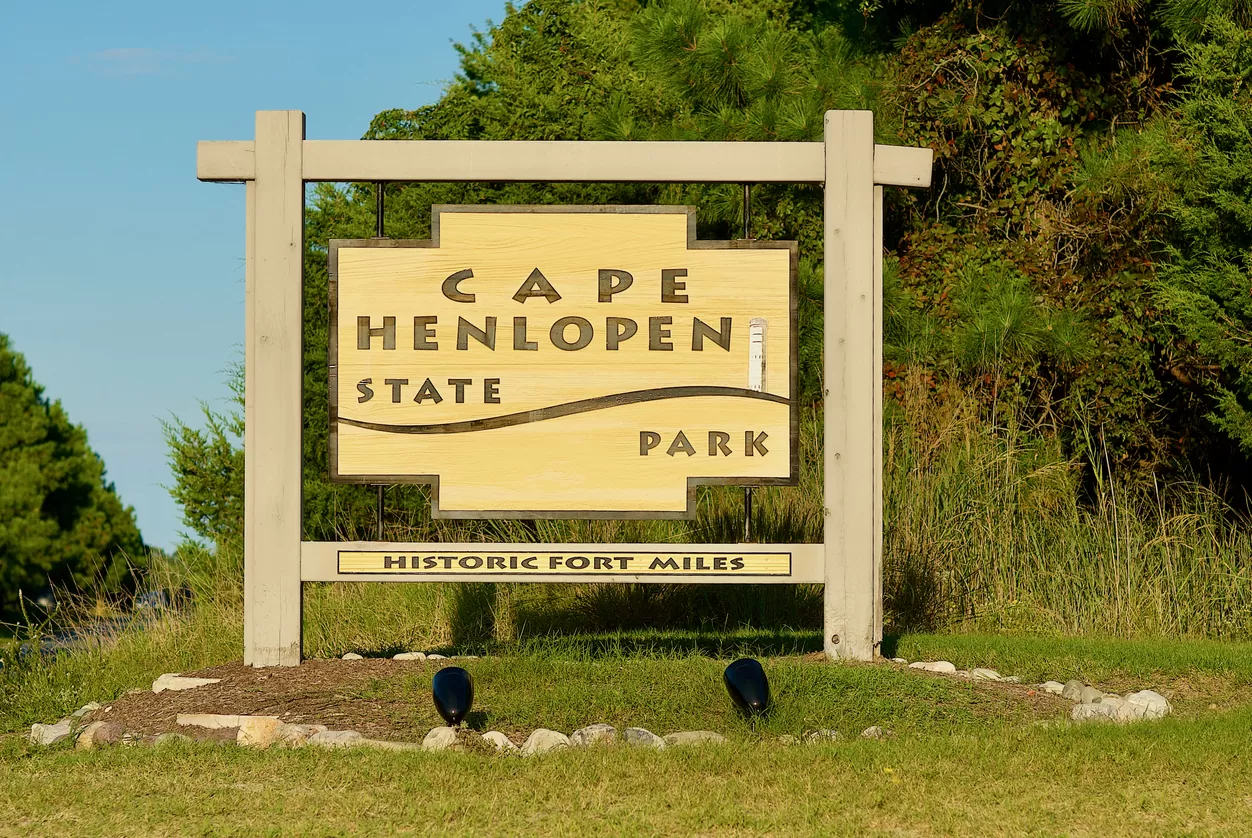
1165 778
965 759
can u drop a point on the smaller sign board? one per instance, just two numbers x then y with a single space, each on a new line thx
584 566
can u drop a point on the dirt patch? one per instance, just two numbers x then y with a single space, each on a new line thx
329 692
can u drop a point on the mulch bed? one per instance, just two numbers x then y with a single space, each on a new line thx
343 695
323 692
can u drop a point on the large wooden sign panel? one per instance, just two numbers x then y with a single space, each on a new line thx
563 362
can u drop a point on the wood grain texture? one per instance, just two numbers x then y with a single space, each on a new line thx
564 441
273 417
509 161
850 377
321 562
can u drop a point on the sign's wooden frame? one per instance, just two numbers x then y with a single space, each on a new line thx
275 168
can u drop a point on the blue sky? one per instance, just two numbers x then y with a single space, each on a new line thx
122 278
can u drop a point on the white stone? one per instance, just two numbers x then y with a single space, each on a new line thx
464 657
875 732
1093 712
1090 695
502 743
258 731
642 737
543 740
336 739
215 721
1145 704
694 737
295 736
899 660
98 733
982 674
963 673
351 656
442 739
410 656
593 734
173 682
433 657
1073 690
1114 701
89 707
945 667
824 735
1012 679
1052 687
51 734
171 736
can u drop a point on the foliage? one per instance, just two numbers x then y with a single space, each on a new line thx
1203 156
208 468
61 523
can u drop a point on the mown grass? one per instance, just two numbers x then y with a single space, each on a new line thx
1167 778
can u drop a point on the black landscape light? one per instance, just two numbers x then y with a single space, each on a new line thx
453 691
748 686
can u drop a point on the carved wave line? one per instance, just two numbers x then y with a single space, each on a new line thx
568 409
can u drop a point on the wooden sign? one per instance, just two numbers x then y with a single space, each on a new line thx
585 565
563 362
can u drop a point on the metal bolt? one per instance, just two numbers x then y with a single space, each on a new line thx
834 638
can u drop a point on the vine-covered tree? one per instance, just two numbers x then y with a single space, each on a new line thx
61 522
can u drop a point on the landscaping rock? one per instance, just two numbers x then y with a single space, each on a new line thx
982 674
944 667
464 657
824 735
542 741
500 742
433 657
295 736
1052 687
1012 679
1145 704
89 707
215 721
1072 690
642 737
593 734
1090 695
442 739
257 731
694 737
336 739
51 734
1100 712
172 682
899 660
99 733
1114 701
351 656
875 732
171 736
963 673
788 739
410 656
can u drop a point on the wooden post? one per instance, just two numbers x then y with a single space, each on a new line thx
849 387
272 392
877 420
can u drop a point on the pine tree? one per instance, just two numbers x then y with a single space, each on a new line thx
61 522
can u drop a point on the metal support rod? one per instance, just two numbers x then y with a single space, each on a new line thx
379 214
381 489
747 490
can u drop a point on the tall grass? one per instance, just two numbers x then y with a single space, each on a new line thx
996 529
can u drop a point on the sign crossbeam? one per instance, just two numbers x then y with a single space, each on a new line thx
275 168
561 161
